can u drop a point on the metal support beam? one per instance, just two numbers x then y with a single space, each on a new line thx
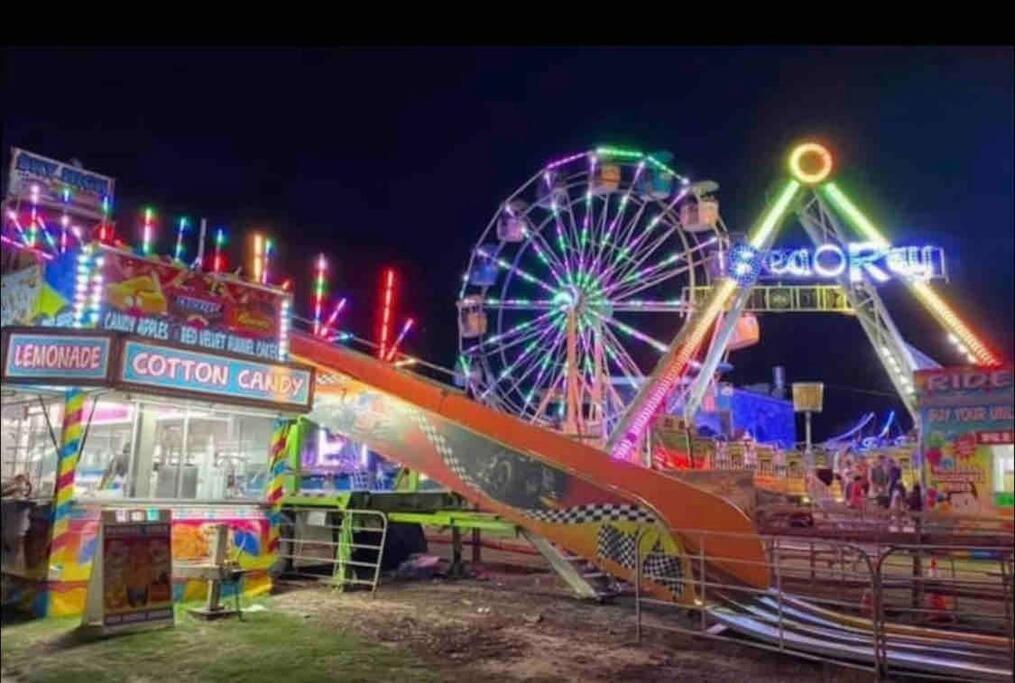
891 349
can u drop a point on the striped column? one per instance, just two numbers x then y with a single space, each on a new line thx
67 461
275 488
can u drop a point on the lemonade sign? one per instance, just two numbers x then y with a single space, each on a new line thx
965 412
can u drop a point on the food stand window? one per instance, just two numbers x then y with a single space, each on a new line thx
137 448
29 433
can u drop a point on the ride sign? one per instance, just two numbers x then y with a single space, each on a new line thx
857 260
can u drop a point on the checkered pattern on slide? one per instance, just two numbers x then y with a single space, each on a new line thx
657 566
616 545
591 513
442 447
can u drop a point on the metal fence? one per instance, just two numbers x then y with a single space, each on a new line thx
342 547
923 609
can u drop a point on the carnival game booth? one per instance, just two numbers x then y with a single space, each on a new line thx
170 390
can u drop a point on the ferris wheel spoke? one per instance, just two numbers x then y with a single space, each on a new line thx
525 335
564 238
532 367
621 211
672 225
550 361
514 269
649 306
506 372
546 255
631 256
637 334
641 251
620 355
639 277
641 283
520 328
616 252
521 304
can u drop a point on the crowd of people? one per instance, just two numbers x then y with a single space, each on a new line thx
879 483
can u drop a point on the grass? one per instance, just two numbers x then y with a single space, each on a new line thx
265 646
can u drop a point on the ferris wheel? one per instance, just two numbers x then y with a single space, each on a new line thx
577 285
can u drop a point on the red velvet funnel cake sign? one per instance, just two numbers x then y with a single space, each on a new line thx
169 302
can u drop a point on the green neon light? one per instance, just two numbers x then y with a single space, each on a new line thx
768 224
623 153
619 152
856 217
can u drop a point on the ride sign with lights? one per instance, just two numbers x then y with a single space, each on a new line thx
858 261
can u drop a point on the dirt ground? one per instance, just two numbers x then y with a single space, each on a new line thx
520 624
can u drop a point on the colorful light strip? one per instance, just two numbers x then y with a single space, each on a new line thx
934 304
333 318
218 264
269 247
389 295
257 262
64 220
319 287
105 230
398 340
33 217
284 325
147 231
21 245
181 230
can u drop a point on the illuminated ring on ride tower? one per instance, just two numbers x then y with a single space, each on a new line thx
808 151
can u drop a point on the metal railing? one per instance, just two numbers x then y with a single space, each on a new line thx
885 609
344 548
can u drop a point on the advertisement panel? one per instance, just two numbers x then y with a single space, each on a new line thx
49 183
131 584
967 423
168 302
40 294
174 370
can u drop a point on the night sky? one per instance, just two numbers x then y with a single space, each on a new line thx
401 156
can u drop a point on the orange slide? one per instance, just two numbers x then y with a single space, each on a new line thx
576 496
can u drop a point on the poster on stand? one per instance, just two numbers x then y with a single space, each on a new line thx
966 415
131 583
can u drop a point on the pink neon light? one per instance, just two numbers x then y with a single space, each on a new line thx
389 286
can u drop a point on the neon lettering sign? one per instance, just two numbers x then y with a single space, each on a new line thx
859 261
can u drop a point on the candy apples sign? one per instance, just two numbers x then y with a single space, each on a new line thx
169 302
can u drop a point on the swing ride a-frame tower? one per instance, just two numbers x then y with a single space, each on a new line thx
825 211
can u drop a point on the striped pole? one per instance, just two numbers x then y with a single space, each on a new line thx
70 448
277 469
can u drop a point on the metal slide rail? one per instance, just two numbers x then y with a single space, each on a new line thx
857 607
344 548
